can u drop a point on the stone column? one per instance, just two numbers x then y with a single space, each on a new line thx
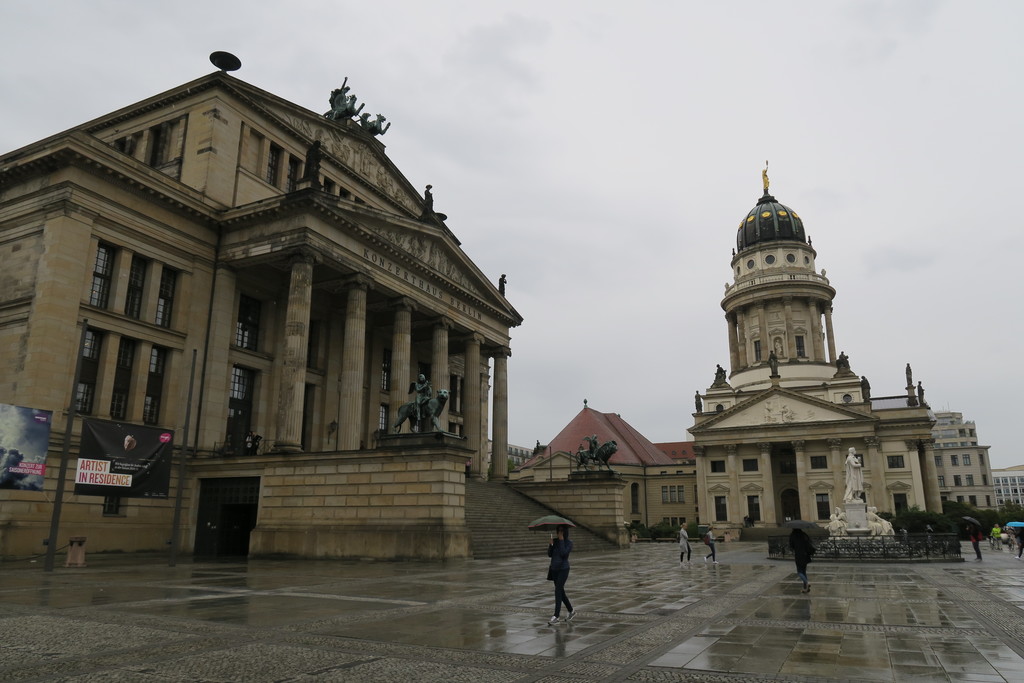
817 352
106 367
439 364
471 403
930 477
734 353
808 510
353 363
401 354
292 366
499 424
732 466
829 337
766 342
741 329
790 333
768 501
702 499
873 459
139 380
837 463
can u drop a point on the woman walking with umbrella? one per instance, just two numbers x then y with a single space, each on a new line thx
558 550
803 550
974 533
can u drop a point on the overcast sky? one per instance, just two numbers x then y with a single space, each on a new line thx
602 155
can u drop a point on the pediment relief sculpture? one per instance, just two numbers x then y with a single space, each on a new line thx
429 252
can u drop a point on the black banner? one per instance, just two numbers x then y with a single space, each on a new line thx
126 460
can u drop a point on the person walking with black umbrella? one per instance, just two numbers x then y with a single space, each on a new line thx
558 550
974 533
803 550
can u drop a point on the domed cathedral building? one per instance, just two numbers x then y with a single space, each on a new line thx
317 291
773 432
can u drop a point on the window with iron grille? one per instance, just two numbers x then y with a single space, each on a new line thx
895 462
112 506
247 327
385 371
819 462
800 350
165 302
383 417
102 272
84 396
136 285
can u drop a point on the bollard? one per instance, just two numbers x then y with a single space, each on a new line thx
76 552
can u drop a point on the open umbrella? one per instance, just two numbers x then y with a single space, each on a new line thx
549 522
799 524
972 520
1014 524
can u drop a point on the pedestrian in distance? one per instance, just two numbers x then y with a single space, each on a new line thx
803 551
709 541
1020 540
558 550
974 533
684 546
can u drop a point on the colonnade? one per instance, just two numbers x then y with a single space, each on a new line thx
742 318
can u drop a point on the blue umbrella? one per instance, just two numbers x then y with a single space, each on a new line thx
1014 524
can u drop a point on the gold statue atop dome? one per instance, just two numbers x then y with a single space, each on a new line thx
764 176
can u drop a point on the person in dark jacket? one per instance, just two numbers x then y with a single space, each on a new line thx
974 533
803 550
558 550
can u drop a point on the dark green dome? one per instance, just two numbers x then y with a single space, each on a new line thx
769 221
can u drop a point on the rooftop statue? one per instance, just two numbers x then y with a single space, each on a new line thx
773 363
843 362
343 105
594 454
719 376
375 127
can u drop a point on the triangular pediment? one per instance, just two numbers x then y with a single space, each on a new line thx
718 488
751 488
779 407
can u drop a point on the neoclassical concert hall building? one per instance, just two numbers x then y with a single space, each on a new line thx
773 431
311 281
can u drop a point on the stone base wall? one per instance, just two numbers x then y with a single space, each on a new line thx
593 499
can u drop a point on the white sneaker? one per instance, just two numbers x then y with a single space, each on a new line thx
553 620
572 615
715 562
705 560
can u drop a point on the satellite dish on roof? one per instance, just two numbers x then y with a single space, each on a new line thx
225 61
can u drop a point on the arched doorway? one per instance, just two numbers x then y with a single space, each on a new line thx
790 500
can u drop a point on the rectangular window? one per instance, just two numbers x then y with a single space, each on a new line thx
973 500
984 480
165 302
385 372
800 351
942 481
154 385
136 284
112 506
664 494
750 464
93 341
966 459
102 271
247 327
294 174
969 479
85 392
313 344
273 164
754 508
938 461
959 499
819 462
158 143
787 466
956 480
454 395
823 506
895 462
122 378
682 494
718 466
721 509
84 397
981 459
240 407
899 503
757 350
954 460
673 494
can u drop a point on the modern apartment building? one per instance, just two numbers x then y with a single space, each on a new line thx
964 471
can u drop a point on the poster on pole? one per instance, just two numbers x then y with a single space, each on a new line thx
126 460
24 440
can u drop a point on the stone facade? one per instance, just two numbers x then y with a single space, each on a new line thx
773 432
963 466
190 223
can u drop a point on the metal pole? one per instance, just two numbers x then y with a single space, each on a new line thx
51 542
176 525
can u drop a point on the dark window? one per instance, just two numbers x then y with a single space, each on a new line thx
895 462
800 350
247 327
757 349
750 464
122 378
981 458
954 461
454 394
102 272
136 285
956 480
294 174
313 344
984 480
84 397
966 459
938 461
329 186
664 494
721 509
634 498
383 417
754 508
158 143
824 507
899 503
385 371
787 466
819 462
969 479
718 466
165 301
154 385
112 506
273 164
942 481
973 500
85 393
240 400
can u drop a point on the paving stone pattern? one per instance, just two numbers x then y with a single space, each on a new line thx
642 617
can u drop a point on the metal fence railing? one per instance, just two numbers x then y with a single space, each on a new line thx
899 547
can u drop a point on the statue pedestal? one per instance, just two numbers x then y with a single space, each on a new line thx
857 518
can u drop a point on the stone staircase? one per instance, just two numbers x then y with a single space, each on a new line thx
497 517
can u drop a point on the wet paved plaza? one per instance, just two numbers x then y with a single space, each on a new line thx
642 617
